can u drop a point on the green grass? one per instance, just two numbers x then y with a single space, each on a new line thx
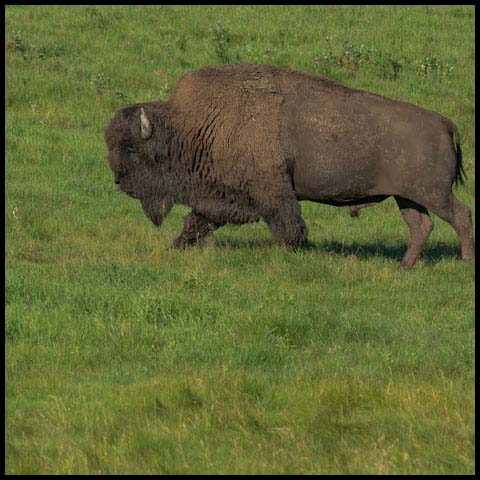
125 356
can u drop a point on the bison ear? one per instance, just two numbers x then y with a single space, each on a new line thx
145 125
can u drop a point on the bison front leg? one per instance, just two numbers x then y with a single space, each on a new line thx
287 225
195 229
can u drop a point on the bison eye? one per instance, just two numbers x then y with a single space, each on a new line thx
131 152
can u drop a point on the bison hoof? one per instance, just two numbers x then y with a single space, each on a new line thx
406 265
468 254
180 243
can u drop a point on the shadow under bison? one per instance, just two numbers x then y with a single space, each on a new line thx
432 253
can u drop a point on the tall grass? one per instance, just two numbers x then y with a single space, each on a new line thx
124 356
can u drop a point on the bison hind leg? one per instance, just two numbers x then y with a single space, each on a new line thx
195 229
420 225
462 224
459 216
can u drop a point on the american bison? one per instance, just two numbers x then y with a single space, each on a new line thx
240 143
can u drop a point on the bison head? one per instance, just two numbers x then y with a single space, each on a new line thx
137 154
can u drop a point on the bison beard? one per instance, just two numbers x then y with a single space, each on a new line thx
239 143
156 210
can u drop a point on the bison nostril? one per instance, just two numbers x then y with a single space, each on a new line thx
117 182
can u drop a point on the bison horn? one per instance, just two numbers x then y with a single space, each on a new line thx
146 126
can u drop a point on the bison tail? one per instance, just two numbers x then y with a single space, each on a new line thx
460 174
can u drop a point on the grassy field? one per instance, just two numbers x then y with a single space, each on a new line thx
125 356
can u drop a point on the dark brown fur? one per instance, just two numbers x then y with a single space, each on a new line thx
239 143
